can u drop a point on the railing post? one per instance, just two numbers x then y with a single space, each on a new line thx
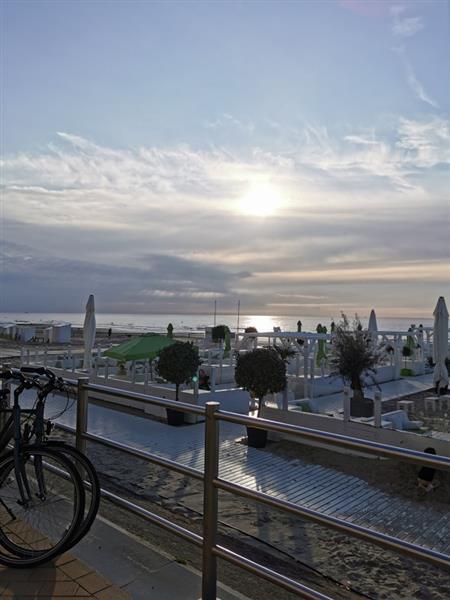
82 413
377 409
212 379
210 502
347 404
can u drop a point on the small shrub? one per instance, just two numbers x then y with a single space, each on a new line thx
218 332
261 372
178 363
250 330
406 351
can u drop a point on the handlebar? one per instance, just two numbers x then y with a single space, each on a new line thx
39 371
32 380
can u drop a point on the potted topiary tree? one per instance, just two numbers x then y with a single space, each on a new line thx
406 353
353 354
250 329
178 364
218 333
261 372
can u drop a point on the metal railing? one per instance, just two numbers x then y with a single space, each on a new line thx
213 483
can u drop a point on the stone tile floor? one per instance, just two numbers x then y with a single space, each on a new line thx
64 578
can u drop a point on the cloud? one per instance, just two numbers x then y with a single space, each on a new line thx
413 82
158 229
225 120
407 27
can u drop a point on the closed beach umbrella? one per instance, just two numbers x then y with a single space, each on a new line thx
144 346
373 326
440 344
89 332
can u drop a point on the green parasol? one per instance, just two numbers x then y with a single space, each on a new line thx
145 346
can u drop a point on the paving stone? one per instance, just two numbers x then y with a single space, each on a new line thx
49 574
93 582
112 594
59 588
75 569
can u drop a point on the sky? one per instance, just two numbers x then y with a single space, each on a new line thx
294 156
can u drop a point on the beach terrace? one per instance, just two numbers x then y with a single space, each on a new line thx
319 494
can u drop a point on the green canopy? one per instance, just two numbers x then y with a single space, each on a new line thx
145 346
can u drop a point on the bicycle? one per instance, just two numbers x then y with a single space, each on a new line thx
42 496
41 434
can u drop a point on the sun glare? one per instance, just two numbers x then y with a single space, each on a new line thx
262 200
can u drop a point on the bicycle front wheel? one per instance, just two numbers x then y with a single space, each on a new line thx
90 481
39 523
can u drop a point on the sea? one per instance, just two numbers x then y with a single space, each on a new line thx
140 323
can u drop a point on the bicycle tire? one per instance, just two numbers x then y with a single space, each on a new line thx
92 491
42 528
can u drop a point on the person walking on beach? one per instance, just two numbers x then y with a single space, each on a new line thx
426 475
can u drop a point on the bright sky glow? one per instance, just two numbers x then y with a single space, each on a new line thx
262 200
163 155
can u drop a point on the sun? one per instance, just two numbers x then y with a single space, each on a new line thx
261 200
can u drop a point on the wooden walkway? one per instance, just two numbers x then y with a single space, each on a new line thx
330 492
319 488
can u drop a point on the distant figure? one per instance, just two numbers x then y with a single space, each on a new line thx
426 475
109 332
299 326
203 380
333 327
170 330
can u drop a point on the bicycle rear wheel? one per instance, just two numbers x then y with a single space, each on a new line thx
90 481
37 530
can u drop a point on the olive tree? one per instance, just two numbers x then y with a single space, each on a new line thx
353 354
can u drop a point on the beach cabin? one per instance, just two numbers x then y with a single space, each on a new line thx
61 334
26 333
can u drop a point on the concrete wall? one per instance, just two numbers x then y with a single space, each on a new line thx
233 400
403 439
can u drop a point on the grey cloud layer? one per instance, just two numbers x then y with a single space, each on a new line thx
159 229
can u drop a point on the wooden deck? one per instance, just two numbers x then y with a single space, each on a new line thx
319 488
330 492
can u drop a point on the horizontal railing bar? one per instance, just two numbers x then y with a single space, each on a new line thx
352 443
164 402
148 456
374 537
190 536
257 569
336 439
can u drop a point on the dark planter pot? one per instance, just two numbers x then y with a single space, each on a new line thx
256 438
361 408
174 417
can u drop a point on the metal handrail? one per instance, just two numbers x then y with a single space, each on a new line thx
213 483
